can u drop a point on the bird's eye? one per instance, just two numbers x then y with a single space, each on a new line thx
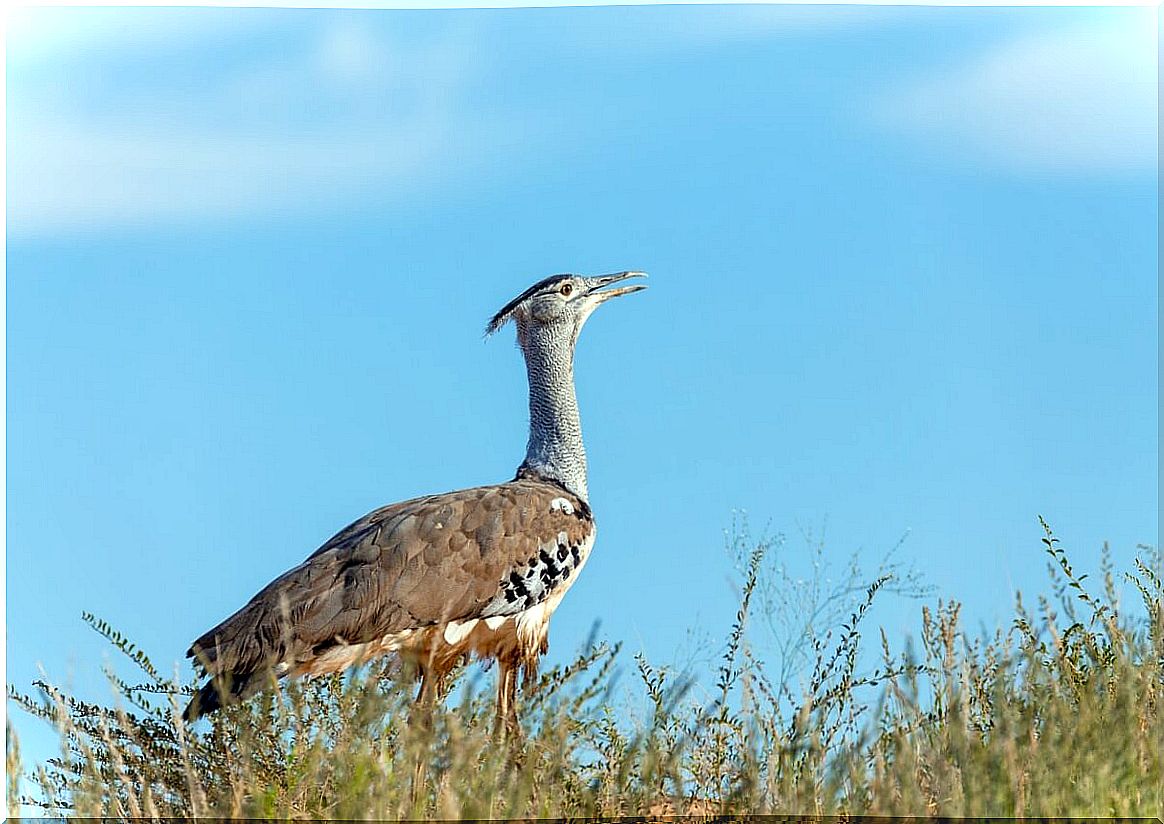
566 290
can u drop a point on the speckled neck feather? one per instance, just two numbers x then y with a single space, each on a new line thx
555 451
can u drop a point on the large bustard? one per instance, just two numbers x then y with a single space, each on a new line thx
440 578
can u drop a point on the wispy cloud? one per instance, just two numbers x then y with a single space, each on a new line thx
62 178
131 117
128 117
38 35
350 110
755 20
1074 101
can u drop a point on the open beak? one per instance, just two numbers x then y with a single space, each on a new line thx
605 280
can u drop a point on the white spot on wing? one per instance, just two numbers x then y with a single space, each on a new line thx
561 505
494 621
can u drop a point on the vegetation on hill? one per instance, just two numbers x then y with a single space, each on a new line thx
1056 715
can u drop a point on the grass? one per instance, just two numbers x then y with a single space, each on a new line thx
1056 715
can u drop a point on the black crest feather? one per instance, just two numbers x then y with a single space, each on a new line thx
500 319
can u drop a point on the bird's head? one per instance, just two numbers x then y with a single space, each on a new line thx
557 307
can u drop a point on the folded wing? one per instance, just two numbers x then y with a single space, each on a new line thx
491 550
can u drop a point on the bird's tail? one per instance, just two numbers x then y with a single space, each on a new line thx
223 690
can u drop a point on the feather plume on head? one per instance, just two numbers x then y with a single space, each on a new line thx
509 311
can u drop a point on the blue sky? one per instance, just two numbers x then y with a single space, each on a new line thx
903 279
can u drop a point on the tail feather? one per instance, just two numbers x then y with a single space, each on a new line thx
204 702
223 690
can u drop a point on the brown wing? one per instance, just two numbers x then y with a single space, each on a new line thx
427 561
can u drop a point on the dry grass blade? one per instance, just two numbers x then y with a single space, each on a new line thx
1057 717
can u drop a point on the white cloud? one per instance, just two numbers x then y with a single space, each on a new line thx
1079 101
350 109
355 112
306 127
350 52
39 35
62 179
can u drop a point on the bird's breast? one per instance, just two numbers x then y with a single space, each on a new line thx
548 570
518 636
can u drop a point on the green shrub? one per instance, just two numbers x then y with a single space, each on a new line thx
1059 715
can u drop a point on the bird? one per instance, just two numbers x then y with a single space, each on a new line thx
443 578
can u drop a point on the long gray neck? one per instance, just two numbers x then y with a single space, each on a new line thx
555 449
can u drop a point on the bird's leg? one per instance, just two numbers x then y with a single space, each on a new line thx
427 693
433 686
426 697
506 726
